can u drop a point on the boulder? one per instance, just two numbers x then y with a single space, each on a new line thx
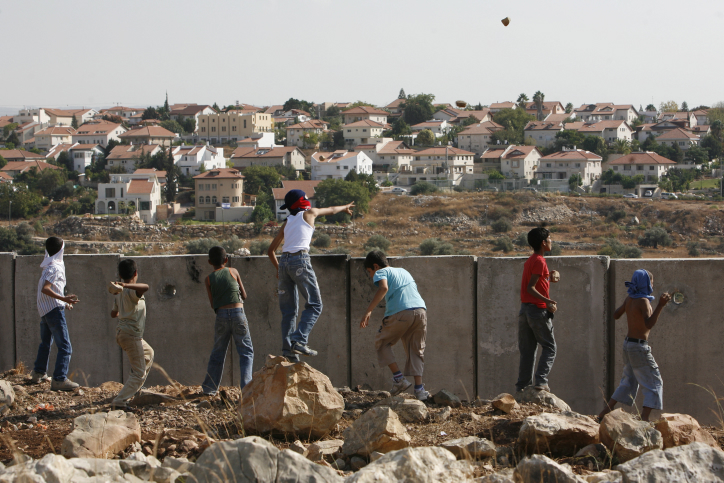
503 476
446 398
182 465
470 447
694 462
408 410
101 435
532 395
290 398
56 469
317 451
628 437
98 467
505 402
254 459
680 429
7 396
164 475
605 476
563 433
418 465
541 469
379 429
298 447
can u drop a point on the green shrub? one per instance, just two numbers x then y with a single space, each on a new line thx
201 246
368 249
259 247
423 188
445 248
262 213
377 241
19 239
500 212
371 224
503 245
38 227
693 249
232 244
339 251
521 240
120 234
555 250
655 236
615 249
616 215
502 225
435 246
322 241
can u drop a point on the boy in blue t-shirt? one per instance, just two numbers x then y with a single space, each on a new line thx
405 318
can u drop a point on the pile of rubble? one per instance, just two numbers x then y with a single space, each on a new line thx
551 214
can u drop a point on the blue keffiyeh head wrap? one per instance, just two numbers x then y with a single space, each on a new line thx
640 285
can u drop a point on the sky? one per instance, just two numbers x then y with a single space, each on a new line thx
90 53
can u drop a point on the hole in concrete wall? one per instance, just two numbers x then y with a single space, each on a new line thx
166 291
678 298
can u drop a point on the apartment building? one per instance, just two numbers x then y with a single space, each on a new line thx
337 165
221 186
98 132
135 192
562 165
233 125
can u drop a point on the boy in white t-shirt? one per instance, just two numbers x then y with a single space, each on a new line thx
295 272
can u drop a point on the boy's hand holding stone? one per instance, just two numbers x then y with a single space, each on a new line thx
665 298
552 307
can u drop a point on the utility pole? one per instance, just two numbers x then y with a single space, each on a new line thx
10 220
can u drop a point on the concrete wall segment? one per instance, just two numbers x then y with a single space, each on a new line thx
7 311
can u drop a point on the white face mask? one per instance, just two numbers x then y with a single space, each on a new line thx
57 258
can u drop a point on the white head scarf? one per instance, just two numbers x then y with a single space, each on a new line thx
55 259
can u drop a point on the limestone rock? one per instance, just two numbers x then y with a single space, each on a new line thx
98 467
7 396
441 414
182 465
379 429
375 455
298 447
680 429
101 435
409 410
470 447
446 398
164 475
503 476
294 468
541 469
628 437
693 462
290 398
505 402
56 469
317 451
605 476
531 395
419 465
563 433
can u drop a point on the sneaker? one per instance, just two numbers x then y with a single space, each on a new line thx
302 349
66 385
294 358
400 386
36 377
422 394
543 387
119 405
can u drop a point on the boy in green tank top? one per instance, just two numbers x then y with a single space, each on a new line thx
226 296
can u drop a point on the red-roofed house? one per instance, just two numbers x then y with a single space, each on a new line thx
519 162
542 133
438 127
50 136
218 188
338 164
98 132
562 165
388 156
651 165
606 111
362 113
191 111
127 156
610 131
682 137
548 107
5 178
136 192
243 157
296 132
442 166
499 106
476 137
363 132
83 155
20 155
309 188
149 135
14 168
190 159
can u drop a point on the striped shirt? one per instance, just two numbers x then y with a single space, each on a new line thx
55 274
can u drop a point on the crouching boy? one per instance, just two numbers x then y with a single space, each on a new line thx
639 365
405 318
130 309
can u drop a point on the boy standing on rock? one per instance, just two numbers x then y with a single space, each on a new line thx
639 365
129 307
51 306
295 272
405 318
535 319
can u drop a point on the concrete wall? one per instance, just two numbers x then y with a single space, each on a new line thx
96 356
579 374
7 308
447 284
687 341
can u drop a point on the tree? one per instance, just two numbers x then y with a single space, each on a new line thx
215 107
9 128
675 153
418 108
172 126
709 142
74 122
575 181
401 95
64 160
669 106
696 154
293 103
569 108
333 111
13 139
423 188
622 146
336 192
400 127
310 139
651 108
261 179
513 119
495 174
425 138
685 106
538 98
280 134
166 107
568 138
596 144
522 100
150 113
49 180
359 104
172 173
3 162
25 202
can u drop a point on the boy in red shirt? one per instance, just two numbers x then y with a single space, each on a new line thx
535 320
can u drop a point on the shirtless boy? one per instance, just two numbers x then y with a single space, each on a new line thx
639 365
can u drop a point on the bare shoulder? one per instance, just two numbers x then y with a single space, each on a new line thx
234 272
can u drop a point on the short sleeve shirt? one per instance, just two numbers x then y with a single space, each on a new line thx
131 312
402 291
535 265
55 274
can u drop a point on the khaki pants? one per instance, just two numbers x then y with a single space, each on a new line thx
140 355
411 327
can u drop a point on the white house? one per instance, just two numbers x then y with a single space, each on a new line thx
139 192
562 165
190 159
83 155
477 137
243 157
682 137
308 187
127 156
50 136
447 165
388 156
610 131
296 132
363 132
365 113
606 111
337 165
542 133
515 161
438 127
651 165
98 132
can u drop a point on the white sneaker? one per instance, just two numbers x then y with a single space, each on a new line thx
422 394
36 377
398 387
66 385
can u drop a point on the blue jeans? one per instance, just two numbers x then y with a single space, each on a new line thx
296 275
534 327
53 327
640 369
229 322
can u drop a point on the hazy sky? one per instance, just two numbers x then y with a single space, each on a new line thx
100 53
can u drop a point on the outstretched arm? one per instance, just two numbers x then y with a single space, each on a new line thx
140 288
332 210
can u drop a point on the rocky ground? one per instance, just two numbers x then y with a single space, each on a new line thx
359 434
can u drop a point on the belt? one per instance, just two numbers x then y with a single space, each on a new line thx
637 341
300 252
